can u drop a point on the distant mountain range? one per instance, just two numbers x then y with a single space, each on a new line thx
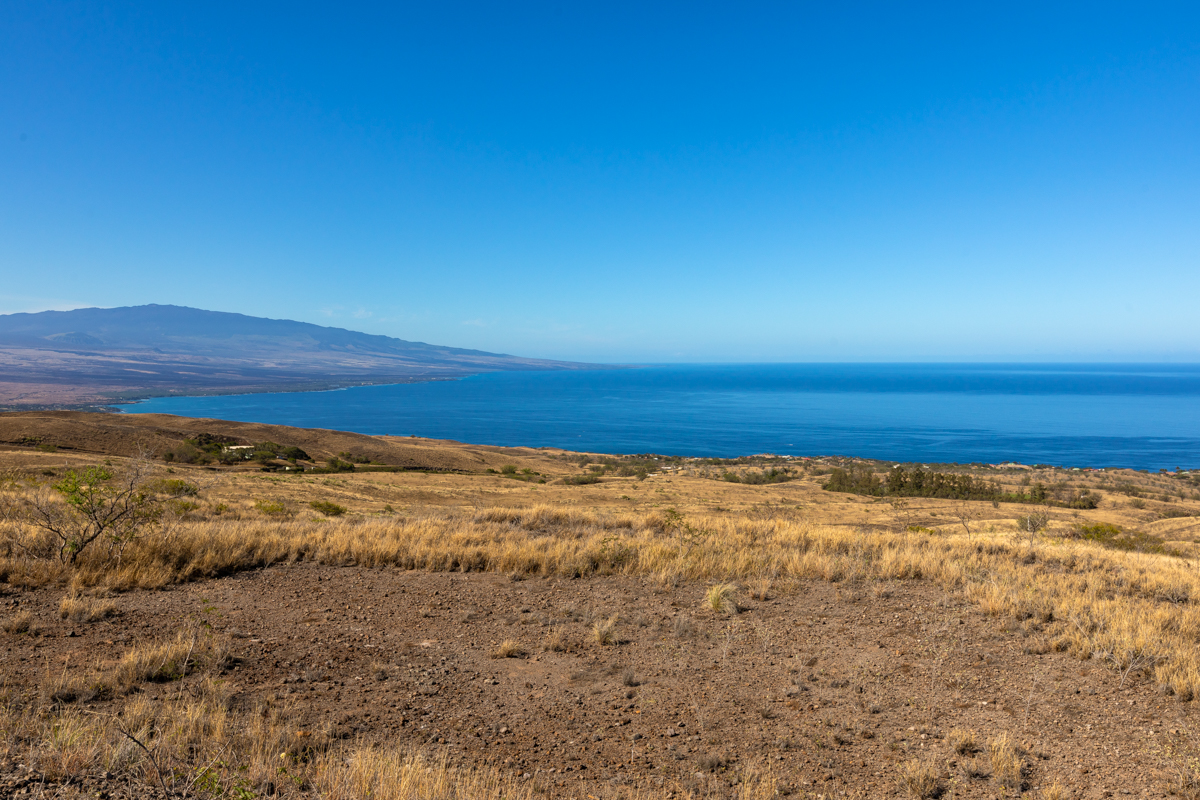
97 355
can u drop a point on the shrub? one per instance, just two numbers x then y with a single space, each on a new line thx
327 508
187 453
273 508
581 480
1085 499
173 487
89 506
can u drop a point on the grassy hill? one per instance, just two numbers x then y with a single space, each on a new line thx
456 621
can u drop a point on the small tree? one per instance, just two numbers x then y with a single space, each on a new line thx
966 513
94 505
1033 524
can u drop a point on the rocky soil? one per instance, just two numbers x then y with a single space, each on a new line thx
831 687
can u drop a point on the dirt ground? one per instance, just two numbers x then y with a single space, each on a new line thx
830 686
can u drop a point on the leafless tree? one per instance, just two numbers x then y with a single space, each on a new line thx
966 513
1034 523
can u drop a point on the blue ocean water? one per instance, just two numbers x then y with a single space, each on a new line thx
1130 415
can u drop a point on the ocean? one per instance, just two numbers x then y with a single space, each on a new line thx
1145 416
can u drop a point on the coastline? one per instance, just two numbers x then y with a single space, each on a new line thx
739 410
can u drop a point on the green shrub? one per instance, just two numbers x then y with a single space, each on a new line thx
173 487
272 508
327 508
1113 536
581 480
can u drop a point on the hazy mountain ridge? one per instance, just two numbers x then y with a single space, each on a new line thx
100 354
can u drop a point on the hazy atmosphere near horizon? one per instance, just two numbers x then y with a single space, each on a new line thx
619 183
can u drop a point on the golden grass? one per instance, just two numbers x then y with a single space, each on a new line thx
156 661
85 609
20 622
720 598
556 641
1133 612
920 779
1007 766
604 631
391 774
1054 791
509 648
961 741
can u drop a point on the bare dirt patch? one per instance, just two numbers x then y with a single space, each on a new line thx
832 687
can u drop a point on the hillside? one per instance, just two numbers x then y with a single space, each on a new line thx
122 435
538 624
100 355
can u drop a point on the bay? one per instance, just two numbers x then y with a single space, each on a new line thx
1144 416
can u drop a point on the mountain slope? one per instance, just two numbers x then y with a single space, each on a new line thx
97 355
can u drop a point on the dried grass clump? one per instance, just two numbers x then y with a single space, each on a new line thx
509 648
1054 791
394 774
975 769
85 609
161 661
962 742
720 598
556 641
760 589
604 632
1007 766
920 779
20 622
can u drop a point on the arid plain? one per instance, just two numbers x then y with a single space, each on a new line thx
431 619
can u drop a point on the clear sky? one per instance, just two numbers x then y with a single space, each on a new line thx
641 182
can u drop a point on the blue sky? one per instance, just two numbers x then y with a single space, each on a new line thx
642 182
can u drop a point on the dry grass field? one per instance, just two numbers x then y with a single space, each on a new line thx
483 622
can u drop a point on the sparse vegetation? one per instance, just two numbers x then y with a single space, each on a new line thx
1093 585
556 641
95 506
